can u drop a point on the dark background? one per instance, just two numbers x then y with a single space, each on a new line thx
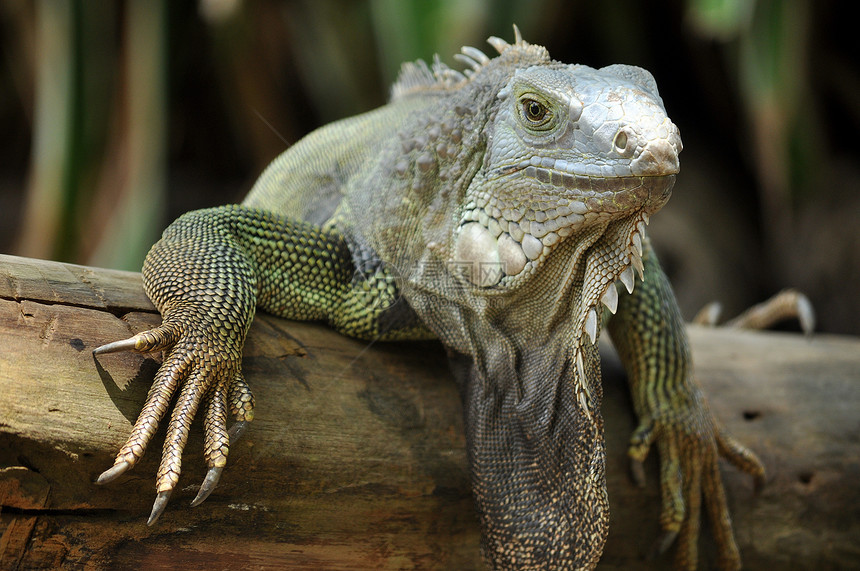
118 117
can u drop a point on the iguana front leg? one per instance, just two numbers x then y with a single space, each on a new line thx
651 340
206 276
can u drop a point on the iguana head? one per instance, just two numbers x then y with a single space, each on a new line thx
569 148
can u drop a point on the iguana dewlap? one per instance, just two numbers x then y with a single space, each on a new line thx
499 210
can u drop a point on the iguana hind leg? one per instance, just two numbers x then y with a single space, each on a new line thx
787 304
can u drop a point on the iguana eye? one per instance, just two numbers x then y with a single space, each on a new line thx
534 111
535 114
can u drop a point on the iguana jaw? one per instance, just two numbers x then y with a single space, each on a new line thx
499 245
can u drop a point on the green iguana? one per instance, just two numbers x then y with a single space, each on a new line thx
500 210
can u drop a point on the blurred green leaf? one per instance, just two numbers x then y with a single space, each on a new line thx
52 178
137 211
721 19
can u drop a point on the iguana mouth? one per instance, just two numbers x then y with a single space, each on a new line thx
581 180
502 239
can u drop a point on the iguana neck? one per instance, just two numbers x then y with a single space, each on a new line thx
537 459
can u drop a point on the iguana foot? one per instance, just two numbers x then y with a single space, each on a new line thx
204 372
689 450
787 304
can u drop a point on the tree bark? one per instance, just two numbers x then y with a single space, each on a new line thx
356 456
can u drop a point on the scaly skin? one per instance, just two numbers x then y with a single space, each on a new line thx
495 212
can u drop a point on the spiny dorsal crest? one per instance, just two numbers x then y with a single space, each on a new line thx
418 77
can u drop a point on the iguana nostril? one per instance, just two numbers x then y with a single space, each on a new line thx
621 141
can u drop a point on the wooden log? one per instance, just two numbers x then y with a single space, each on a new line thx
356 456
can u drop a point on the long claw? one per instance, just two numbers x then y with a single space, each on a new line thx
237 430
664 542
117 346
709 315
156 339
159 506
805 314
209 483
637 472
113 473
743 459
214 474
